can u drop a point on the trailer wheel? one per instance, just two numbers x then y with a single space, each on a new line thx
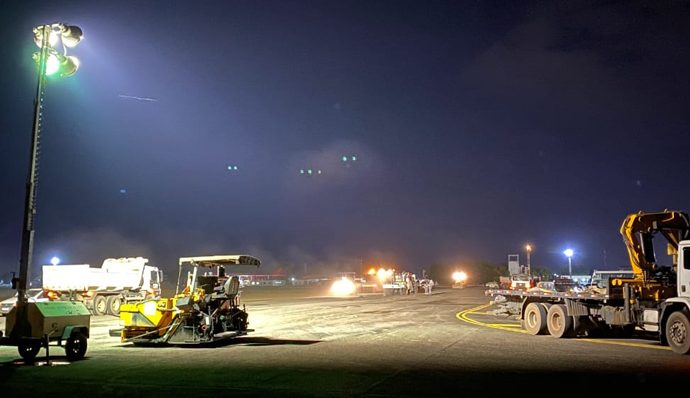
29 349
677 330
100 305
75 347
113 304
558 322
535 319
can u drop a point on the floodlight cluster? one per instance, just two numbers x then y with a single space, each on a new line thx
54 40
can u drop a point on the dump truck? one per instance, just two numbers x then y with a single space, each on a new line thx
655 300
204 311
104 289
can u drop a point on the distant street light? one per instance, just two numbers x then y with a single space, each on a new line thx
528 248
569 253
55 261
50 61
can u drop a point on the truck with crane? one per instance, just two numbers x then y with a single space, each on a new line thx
104 289
656 299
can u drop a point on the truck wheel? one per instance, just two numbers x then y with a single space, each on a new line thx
100 305
677 330
29 349
113 304
558 322
75 347
535 319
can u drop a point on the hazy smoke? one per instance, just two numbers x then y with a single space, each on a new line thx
90 247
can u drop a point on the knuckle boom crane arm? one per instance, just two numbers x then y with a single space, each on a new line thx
638 231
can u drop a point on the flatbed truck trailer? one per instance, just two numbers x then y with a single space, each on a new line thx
628 305
655 300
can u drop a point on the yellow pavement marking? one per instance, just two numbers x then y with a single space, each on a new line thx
625 343
463 316
513 327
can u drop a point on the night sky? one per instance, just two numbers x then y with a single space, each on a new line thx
477 127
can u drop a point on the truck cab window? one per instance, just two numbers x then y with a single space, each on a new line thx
686 257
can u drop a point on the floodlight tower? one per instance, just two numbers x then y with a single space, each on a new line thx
569 253
51 60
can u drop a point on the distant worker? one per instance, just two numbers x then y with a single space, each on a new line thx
427 286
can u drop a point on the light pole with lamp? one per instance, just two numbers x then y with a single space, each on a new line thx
528 248
50 62
569 253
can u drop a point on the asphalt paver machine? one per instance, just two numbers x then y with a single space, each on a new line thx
204 311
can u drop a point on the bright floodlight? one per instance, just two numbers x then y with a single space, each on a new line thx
71 35
58 63
459 276
55 261
53 38
52 64
568 252
528 248
69 66
384 274
343 287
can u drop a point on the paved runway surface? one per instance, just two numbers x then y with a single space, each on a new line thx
446 344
